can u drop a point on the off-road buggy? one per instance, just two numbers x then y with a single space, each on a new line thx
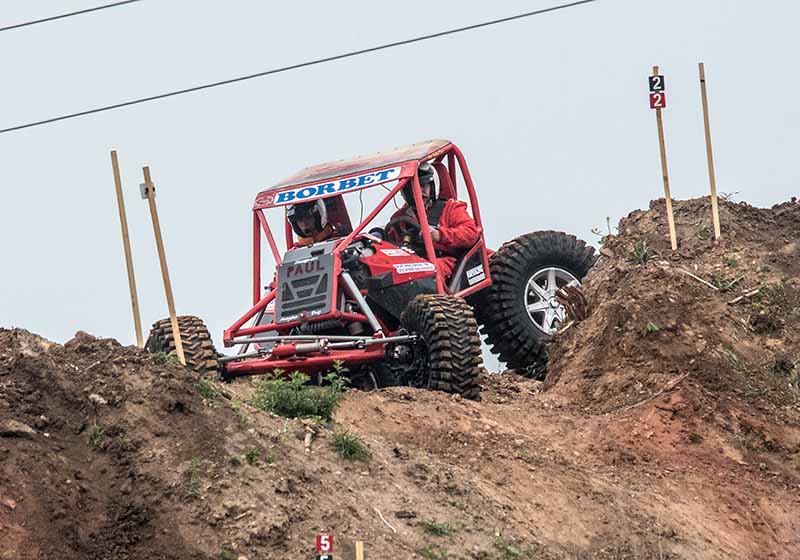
383 309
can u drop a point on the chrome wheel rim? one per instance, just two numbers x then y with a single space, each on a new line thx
544 310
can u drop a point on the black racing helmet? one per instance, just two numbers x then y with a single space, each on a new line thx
426 174
315 209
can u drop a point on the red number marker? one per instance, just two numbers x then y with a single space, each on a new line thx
324 543
658 100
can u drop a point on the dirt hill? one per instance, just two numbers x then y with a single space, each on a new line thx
668 427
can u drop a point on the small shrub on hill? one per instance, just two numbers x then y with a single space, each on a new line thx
438 529
163 358
641 253
207 389
350 446
295 398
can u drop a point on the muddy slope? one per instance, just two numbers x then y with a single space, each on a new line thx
668 427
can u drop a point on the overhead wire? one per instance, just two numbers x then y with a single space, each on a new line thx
67 15
296 66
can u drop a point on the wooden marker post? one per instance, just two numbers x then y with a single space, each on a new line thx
359 550
148 192
126 242
709 154
658 101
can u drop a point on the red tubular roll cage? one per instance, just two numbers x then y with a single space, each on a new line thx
435 151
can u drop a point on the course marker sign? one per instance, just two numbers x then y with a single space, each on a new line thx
658 100
656 83
324 543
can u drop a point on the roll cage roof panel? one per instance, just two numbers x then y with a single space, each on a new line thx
339 177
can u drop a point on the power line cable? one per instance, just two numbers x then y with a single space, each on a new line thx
294 66
70 14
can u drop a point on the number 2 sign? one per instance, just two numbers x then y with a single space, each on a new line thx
658 100
656 83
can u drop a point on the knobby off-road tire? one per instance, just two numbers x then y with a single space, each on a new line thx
450 346
198 349
502 308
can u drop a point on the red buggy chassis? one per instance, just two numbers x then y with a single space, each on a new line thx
381 308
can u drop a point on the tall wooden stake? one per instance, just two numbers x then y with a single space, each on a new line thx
359 550
151 199
670 218
126 242
709 154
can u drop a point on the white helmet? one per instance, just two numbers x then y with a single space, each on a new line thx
315 209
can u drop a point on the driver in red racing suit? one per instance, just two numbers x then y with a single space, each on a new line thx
453 231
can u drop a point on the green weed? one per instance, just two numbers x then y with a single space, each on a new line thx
236 405
252 456
438 529
723 282
705 232
164 358
295 398
731 358
192 478
650 328
350 446
207 389
641 253
96 434
506 550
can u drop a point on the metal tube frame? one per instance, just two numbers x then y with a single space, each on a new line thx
232 335
354 293
302 337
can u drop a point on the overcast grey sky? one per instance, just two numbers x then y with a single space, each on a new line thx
550 111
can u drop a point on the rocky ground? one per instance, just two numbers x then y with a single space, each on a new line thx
668 427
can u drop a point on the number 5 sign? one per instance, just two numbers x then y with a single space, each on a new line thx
324 543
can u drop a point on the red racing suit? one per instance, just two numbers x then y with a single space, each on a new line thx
457 231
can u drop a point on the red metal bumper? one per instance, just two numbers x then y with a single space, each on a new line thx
305 364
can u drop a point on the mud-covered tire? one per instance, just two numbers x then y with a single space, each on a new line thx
501 308
450 344
198 349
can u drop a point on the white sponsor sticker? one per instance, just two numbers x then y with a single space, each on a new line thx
394 252
409 268
475 275
475 271
475 279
